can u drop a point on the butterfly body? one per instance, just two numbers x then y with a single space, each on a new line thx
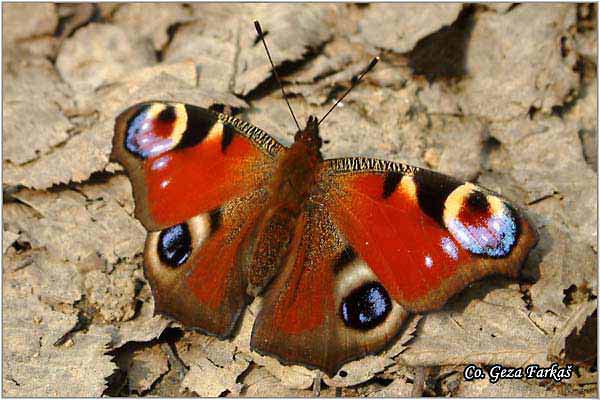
293 179
341 250
296 172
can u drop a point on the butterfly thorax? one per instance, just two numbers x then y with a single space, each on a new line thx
297 169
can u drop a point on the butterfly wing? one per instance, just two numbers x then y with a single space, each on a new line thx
377 240
197 177
185 160
314 312
194 270
424 234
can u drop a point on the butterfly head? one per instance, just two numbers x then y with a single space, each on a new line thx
309 136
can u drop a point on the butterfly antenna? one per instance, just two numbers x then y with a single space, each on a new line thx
354 83
262 37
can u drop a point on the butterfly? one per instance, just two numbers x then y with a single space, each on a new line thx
342 250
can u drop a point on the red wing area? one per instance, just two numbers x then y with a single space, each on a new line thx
310 284
311 311
396 238
185 160
189 181
194 270
426 236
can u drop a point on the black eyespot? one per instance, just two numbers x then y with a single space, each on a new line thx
477 202
175 245
167 115
366 306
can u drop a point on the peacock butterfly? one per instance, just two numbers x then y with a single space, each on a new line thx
341 249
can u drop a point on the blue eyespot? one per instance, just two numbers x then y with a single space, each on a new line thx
175 245
366 306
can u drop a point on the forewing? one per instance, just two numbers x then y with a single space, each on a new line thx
425 235
185 160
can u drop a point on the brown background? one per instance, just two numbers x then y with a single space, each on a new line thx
501 94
